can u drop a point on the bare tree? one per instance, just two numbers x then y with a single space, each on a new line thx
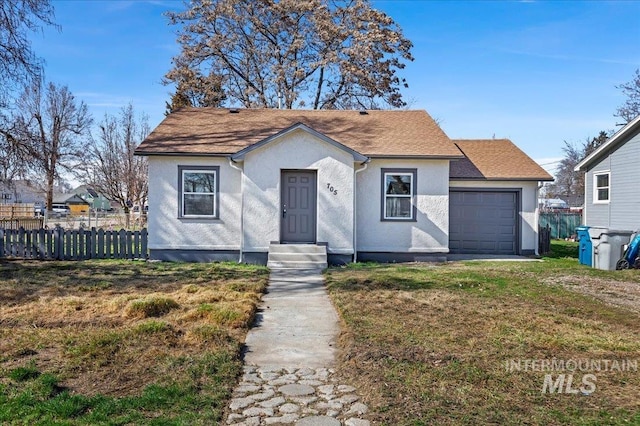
631 107
570 183
18 63
12 164
113 170
293 53
51 130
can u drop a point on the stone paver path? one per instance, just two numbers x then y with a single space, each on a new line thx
289 376
300 396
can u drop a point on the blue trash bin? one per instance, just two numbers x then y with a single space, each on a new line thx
585 250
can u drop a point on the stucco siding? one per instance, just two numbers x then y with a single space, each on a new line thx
169 232
621 212
298 150
528 202
428 233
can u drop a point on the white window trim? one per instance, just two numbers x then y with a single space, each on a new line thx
595 187
214 170
406 172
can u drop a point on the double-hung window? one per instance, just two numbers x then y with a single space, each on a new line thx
601 187
198 187
398 194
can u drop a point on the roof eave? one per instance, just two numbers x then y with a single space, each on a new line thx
417 157
503 179
181 154
613 140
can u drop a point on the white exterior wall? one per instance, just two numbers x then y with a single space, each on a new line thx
168 232
298 150
429 233
529 206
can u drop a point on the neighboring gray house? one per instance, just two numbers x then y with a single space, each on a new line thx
20 191
612 179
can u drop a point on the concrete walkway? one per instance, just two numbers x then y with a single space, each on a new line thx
296 325
290 353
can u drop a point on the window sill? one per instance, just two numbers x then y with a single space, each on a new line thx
198 218
398 220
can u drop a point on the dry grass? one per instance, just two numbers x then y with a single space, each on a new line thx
114 328
428 344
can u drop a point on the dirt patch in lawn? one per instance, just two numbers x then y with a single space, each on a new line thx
613 292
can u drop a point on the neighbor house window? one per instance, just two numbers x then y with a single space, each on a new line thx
601 187
198 188
398 194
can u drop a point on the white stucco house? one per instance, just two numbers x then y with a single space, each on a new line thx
234 184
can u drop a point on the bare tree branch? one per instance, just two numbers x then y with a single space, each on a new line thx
51 130
113 170
18 63
631 107
291 53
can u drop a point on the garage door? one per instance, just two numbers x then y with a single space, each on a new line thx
483 222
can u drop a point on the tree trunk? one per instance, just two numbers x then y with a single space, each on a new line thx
127 217
50 182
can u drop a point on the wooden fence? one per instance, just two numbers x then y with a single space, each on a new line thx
77 244
26 223
562 224
12 211
544 239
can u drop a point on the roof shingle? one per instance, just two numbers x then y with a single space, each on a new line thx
376 133
495 159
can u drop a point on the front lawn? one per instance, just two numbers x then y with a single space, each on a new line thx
122 342
442 343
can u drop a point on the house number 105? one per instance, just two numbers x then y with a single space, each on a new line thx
332 189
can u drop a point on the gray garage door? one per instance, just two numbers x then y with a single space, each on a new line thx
483 222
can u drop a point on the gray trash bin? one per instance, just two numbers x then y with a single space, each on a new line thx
608 246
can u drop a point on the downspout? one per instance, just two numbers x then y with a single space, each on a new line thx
537 219
233 166
584 202
355 210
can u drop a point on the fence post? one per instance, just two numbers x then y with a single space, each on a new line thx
145 254
20 243
58 243
544 239
130 248
123 244
113 249
28 246
136 245
101 249
41 243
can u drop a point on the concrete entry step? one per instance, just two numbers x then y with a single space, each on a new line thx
297 256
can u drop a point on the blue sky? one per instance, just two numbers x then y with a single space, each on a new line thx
537 72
